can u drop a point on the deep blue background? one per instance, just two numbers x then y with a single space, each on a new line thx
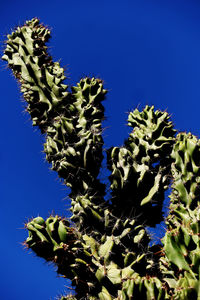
147 52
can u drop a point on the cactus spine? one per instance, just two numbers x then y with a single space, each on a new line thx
104 249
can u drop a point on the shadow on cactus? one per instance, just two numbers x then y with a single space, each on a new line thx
105 248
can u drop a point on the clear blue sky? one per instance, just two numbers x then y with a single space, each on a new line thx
147 52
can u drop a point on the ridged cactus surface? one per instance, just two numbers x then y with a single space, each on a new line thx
105 248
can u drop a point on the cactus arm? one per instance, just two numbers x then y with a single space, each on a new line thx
75 148
181 241
56 242
41 79
140 169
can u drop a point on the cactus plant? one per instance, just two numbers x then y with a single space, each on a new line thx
104 248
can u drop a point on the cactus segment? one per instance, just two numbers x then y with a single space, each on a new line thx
41 80
53 231
74 144
181 241
140 169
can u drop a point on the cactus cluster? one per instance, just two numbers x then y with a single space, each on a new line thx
105 248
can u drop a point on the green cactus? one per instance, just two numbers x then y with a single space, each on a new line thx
104 248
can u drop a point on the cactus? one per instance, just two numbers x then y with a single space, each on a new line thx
105 248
